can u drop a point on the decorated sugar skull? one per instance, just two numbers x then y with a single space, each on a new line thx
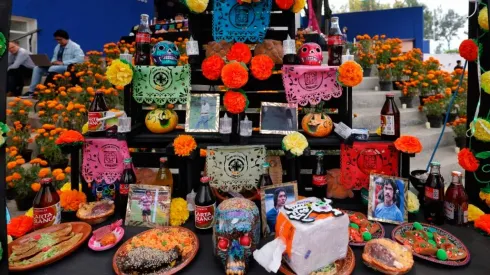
236 234
310 54
165 53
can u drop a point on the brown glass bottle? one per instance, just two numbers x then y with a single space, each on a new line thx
434 195
319 180
97 110
390 119
143 46
456 201
265 178
205 205
46 205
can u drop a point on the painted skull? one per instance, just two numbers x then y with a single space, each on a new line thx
236 234
165 53
310 54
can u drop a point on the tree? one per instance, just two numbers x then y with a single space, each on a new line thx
366 5
447 25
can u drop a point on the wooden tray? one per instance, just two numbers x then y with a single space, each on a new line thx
397 231
166 272
344 266
77 227
377 235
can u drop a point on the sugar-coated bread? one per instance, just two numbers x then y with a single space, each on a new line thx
220 48
387 256
272 48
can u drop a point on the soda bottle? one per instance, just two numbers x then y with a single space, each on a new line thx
335 43
456 201
143 46
390 119
164 176
46 205
434 195
128 178
319 182
205 205
265 178
97 110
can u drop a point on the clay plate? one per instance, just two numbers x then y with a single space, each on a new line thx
344 266
166 272
458 243
377 235
77 227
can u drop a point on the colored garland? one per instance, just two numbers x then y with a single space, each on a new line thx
468 50
467 160
212 66
262 66
235 102
239 52
234 75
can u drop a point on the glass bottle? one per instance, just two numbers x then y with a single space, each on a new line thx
265 178
456 201
319 181
335 43
205 205
164 176
97 111
46 205
390 119
434 195
128 178
143 46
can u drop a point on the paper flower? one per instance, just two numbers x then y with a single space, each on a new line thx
19 226
298 6
235 102
468 50
485 82
3 44
474 213
178 212
285 4
119 73
67 186
349 74
483 19
467 160
408 144
485 196
234 75
212 66
4 129
197 6
262 66
71 199
413 204
295 143
483 223
482 129
239 52
184 145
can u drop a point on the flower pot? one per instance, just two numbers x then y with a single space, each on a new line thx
385 85
435 121
460 142
24 203
452 117
10 193
26 154
366 72
407 100
61 165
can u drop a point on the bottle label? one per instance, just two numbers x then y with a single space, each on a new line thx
94 125
123 189
192 48
143 37
204 216
47 216
335 40
465 216
432 193
388 125
449 210
319 180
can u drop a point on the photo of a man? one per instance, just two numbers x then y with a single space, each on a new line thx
146 202
388 199
280 198
204 117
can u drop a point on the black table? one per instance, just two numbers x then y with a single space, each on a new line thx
85 261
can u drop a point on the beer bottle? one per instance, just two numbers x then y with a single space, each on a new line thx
434 195
205 205
46 205
97 110
143 46
265 178
128 178
390 119
456 201
164 176
319 182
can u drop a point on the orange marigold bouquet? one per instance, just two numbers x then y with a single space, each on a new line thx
70 200
459 127
19 136
70 139
19 176
18 110
45 139
365 51
184 145
350 74
434 105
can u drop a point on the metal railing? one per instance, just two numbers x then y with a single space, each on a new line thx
30 34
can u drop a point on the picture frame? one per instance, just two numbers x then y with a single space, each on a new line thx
271 197
202 113
381 187
148 205
278 118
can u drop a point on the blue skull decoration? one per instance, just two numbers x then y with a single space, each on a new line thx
165 53
236 234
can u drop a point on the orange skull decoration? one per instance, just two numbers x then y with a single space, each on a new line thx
310 54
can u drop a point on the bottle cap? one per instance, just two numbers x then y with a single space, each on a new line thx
319 154
127 160
163 159
390 95
265 165
145 15
456 173
205 179
435 163
46 180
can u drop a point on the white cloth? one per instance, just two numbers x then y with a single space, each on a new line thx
270 255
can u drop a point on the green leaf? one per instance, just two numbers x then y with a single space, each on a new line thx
483 155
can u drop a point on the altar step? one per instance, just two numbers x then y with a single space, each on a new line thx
369 118
372 98
368 83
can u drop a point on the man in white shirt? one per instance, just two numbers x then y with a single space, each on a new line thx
204 118
20 67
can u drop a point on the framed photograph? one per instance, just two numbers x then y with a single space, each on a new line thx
148 205
278 118
202 113
273 198
388 198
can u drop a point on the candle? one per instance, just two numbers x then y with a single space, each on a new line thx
427 125
192 47
225 125
245 127
289 46
404 106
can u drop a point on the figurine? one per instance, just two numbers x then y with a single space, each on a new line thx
310 54
236 234
165 53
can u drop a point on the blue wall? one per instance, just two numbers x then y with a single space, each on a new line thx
405 23
90 23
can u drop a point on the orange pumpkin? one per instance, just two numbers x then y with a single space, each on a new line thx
317 124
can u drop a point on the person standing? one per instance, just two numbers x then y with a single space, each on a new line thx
280 198
204 117
65 53
458 65
20 67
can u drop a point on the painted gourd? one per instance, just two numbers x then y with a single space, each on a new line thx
317 124
160 121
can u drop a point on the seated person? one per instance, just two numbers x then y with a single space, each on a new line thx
66 53
20 67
